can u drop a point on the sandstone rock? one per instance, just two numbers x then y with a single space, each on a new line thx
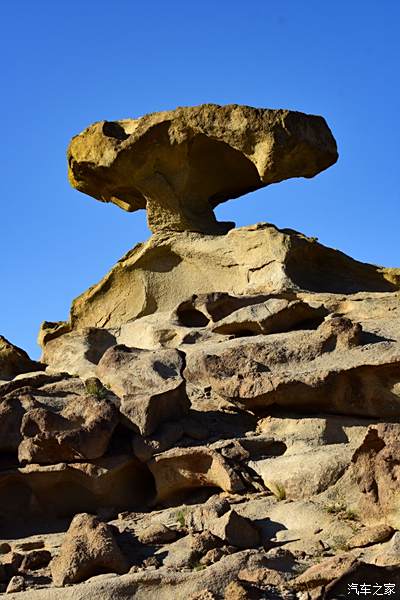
203 516
157 533
307 370
89 548
65 489
391 553
262 577
12 410
194 550
149 384
182 469
81 431
16 584
236 530
36 559
77 352
167 270
159 583
275 315
375 470
364 576
304 474
14 360
163 330
235 591
300 433
371 535
203 595
180 164
324 572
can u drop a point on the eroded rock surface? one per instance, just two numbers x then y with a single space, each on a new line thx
89 548
225 409
180 164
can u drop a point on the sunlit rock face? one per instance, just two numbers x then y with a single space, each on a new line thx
180 164
219 417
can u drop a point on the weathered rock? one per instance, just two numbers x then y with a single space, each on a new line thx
16 584
159 583
262 577
149 383
202 517
180 164
81 431
12 410
236 530
235 591
157 533
164 272
275 315
14 360
77 352
390 552
304 474
300 433
65 489
375 470
35 559
89 548
307 370
366 577
179 470
324 572
371 535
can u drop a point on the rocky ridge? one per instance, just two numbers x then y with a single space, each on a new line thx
219 418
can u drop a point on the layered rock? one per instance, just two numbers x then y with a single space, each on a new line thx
226 407
167 270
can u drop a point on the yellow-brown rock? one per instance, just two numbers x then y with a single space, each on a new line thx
180 164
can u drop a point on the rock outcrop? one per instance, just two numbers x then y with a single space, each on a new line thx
180 164
219 418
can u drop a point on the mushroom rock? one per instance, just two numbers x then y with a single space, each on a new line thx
180 164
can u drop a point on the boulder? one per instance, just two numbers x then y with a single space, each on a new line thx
183 469
81 431
149 384
77 352
89 548
157 533
180 164
371 535
235 530
14 360
324 572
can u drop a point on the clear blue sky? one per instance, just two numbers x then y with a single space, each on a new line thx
65 65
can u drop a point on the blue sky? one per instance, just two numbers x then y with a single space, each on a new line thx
65 65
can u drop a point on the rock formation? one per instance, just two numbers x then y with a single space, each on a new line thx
180 164
219 417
